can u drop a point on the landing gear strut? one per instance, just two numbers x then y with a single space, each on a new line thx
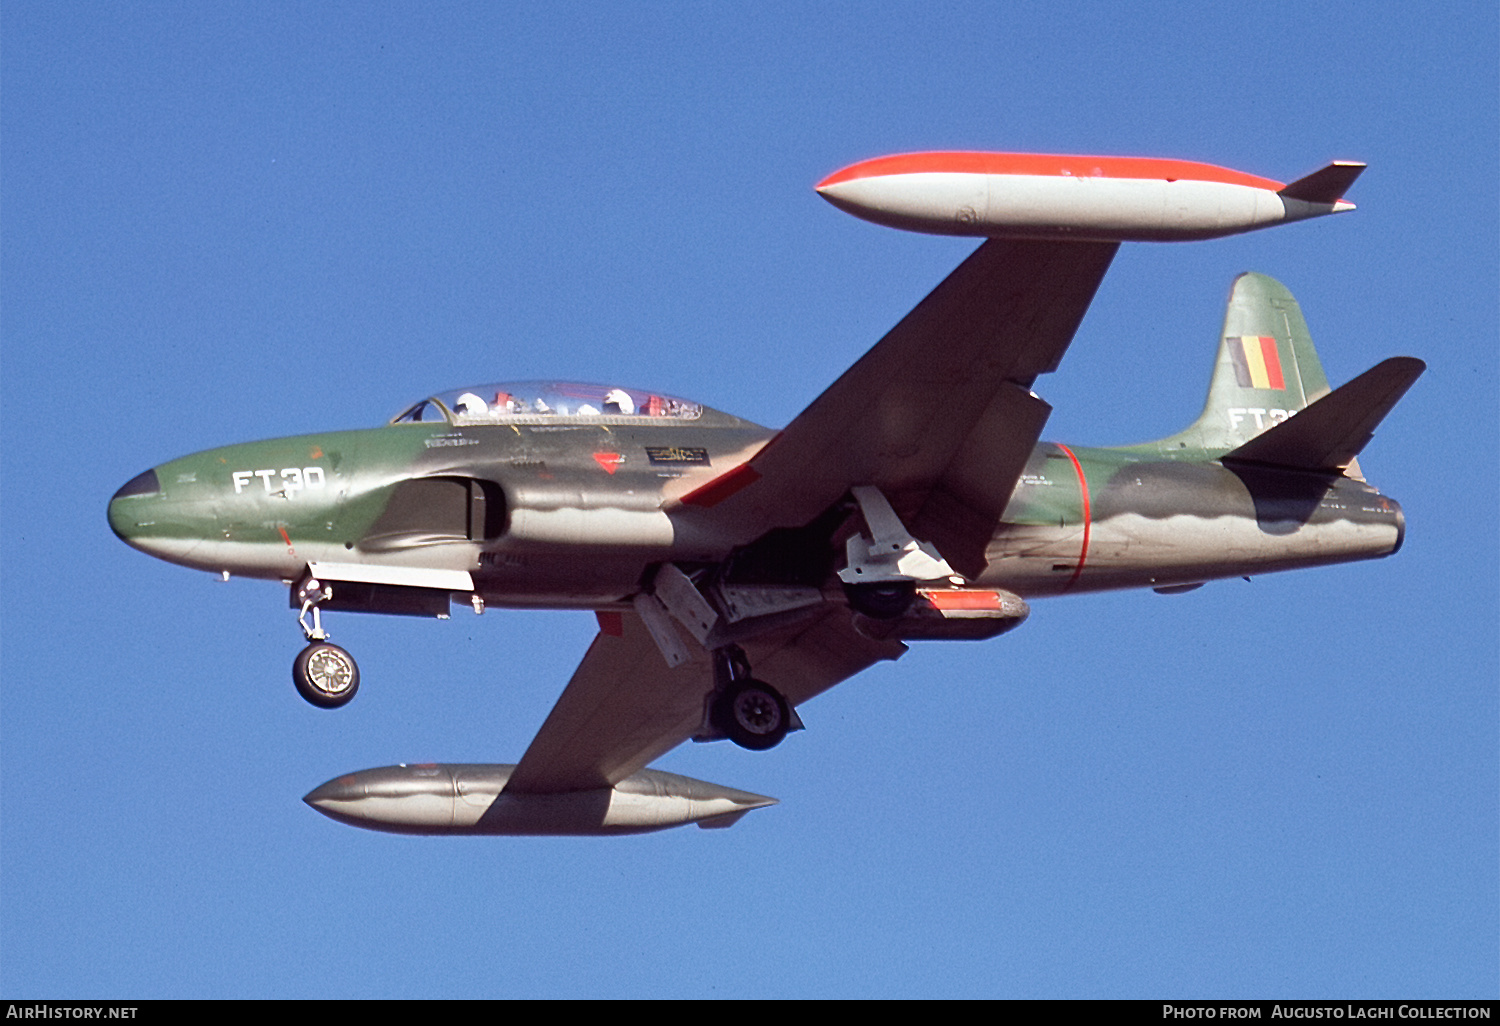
324 674
749 712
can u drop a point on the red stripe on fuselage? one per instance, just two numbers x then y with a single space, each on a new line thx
1049 164
1083 491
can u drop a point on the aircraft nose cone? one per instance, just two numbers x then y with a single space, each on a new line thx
121 518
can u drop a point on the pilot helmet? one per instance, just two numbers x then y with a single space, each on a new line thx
471 404
618 400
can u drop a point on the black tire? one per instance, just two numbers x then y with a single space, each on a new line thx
753 715
881 601
325 675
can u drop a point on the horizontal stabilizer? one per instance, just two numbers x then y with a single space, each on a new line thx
1329 433
1326 185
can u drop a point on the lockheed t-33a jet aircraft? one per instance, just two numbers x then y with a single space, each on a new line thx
738 571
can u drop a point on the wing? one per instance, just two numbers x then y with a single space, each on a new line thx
806 661
624 707
939 414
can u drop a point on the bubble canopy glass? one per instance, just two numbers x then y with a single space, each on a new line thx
514 401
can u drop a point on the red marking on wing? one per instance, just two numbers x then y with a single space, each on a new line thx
1083 491
610 622
722 487
1055 165
963 599
608 460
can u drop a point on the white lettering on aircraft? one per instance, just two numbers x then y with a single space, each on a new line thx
291 480
1263 418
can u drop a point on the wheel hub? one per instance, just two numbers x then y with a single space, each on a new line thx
329 673
757 712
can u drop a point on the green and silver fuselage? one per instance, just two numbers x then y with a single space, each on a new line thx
571 512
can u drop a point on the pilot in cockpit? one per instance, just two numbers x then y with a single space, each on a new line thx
617 400
470 405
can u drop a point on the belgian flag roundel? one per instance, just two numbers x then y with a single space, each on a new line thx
1257 364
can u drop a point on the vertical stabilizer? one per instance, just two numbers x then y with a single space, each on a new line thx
1266 369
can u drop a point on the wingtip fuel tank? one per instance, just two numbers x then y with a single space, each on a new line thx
469 798
1097 199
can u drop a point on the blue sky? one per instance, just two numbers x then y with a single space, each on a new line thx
231 221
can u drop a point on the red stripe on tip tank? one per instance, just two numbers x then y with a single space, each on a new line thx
1083 490
1051 165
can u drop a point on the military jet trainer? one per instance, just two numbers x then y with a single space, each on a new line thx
737 571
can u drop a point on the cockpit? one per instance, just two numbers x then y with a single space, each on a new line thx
532 402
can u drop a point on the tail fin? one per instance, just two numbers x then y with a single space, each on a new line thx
1266 370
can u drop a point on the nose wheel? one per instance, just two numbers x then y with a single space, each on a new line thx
325 675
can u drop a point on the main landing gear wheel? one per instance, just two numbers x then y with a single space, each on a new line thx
752 714
325 675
